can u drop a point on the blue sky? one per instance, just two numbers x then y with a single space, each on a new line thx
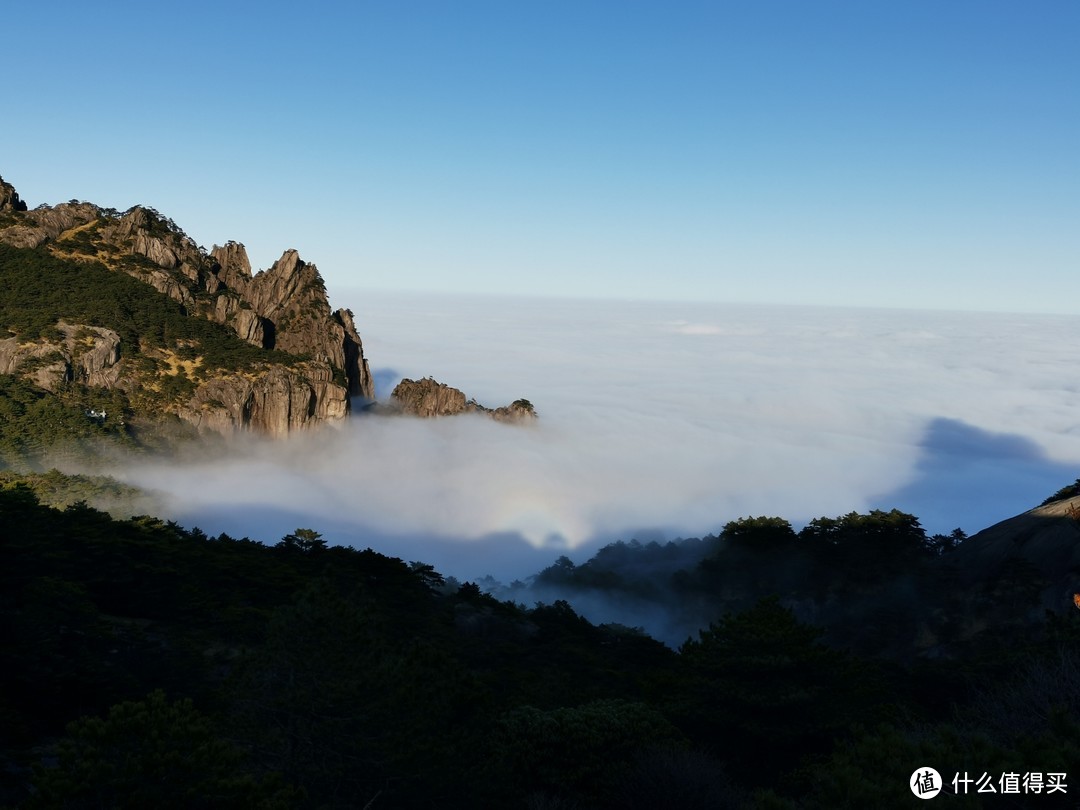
899 154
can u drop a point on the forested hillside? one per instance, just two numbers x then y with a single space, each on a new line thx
880 568
222 672
126 308
167 354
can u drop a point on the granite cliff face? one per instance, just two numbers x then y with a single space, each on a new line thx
284 308
276 402
86 354
430 398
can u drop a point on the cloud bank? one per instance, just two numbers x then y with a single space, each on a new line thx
657 420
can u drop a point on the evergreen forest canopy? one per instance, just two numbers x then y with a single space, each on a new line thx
152 665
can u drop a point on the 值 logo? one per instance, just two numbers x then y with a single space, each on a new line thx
925 783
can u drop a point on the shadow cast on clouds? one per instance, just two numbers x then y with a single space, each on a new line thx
964 471
385 380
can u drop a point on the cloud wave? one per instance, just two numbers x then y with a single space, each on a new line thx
644 427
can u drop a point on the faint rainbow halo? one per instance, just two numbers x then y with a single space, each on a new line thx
539 522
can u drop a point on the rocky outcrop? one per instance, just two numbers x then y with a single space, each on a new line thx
517 412
232 267
41 362
427 398
291 295
232 271
361 383
184 270
278 401
284 308
85 354
166 284
173 263
9 198
95 355
248 326
43 224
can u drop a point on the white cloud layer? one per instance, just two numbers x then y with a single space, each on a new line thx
662 419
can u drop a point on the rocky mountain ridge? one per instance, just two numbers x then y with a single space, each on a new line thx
317 364
430 398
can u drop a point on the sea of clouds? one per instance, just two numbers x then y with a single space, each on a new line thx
657 420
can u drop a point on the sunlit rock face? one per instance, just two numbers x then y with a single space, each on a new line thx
285 308
79 353
428 398
277 402
34 228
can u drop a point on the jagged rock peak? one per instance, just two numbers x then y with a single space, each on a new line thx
233 265
9 198
289 284
285 308
291 297
428 398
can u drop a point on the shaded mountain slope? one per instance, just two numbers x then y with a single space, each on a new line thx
1045 540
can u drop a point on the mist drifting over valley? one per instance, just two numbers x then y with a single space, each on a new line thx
657 420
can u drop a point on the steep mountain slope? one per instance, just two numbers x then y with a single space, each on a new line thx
1041 545
198 338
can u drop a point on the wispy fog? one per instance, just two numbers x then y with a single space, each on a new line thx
658 420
